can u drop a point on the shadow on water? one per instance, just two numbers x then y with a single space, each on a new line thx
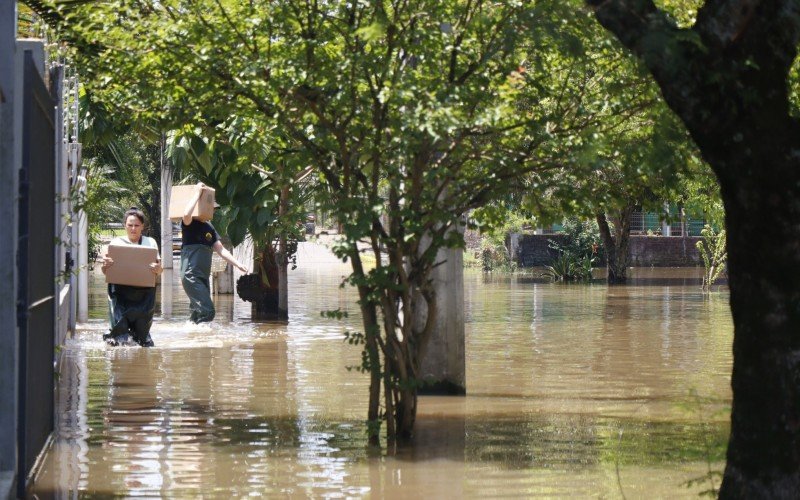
572 391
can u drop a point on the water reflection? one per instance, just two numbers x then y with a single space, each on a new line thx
573 391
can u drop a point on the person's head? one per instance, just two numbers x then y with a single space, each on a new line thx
134 224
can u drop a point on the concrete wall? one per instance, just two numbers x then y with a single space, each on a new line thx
646 251
659 251
533 250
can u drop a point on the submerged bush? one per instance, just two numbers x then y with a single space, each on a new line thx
577 253
569 267
713 252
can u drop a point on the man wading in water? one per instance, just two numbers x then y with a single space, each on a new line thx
199 238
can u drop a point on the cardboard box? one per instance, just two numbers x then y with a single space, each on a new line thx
181 195
131 265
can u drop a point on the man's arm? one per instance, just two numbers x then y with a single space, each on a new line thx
225 254
187 212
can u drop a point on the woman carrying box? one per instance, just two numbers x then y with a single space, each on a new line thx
131 308
199 239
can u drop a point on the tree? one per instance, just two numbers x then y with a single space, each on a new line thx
128 157
404 110
652 161
631 151
727 78
255 203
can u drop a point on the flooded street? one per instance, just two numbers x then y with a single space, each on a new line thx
572 390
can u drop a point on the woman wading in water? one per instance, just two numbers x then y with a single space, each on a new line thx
131 308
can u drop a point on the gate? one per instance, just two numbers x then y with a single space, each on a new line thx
36 271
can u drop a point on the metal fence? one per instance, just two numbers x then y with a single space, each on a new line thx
36 270
645 223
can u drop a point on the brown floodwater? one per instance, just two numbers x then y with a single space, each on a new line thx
572 391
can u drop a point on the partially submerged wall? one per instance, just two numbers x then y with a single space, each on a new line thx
531 250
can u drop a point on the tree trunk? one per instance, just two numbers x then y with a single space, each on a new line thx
764 267
616 245
265 305
400 374
406 413
369 318
726 78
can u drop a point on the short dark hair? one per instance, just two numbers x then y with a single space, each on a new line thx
135 212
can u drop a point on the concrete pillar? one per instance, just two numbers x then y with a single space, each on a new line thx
8 235
166 192
83 263
224 283
167 282
665 229
443 364
513 247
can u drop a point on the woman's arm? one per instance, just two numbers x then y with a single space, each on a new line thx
225 254
187 212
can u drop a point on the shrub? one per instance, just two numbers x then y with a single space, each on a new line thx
713 253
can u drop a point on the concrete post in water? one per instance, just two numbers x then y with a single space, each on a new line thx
513 247
167 276
167 280
443 364
8 235
166 191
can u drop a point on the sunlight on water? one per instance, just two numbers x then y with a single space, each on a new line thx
573 390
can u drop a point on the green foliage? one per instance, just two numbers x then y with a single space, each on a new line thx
569 267
123 168
495 257
354 338
576 253
619 143
247 192
713 252
581 238
794 88
684 12
101 201
409 114
497 221
337 314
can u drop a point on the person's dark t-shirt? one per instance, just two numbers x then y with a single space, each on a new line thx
198 233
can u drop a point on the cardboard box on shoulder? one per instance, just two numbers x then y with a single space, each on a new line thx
131 265
181 195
